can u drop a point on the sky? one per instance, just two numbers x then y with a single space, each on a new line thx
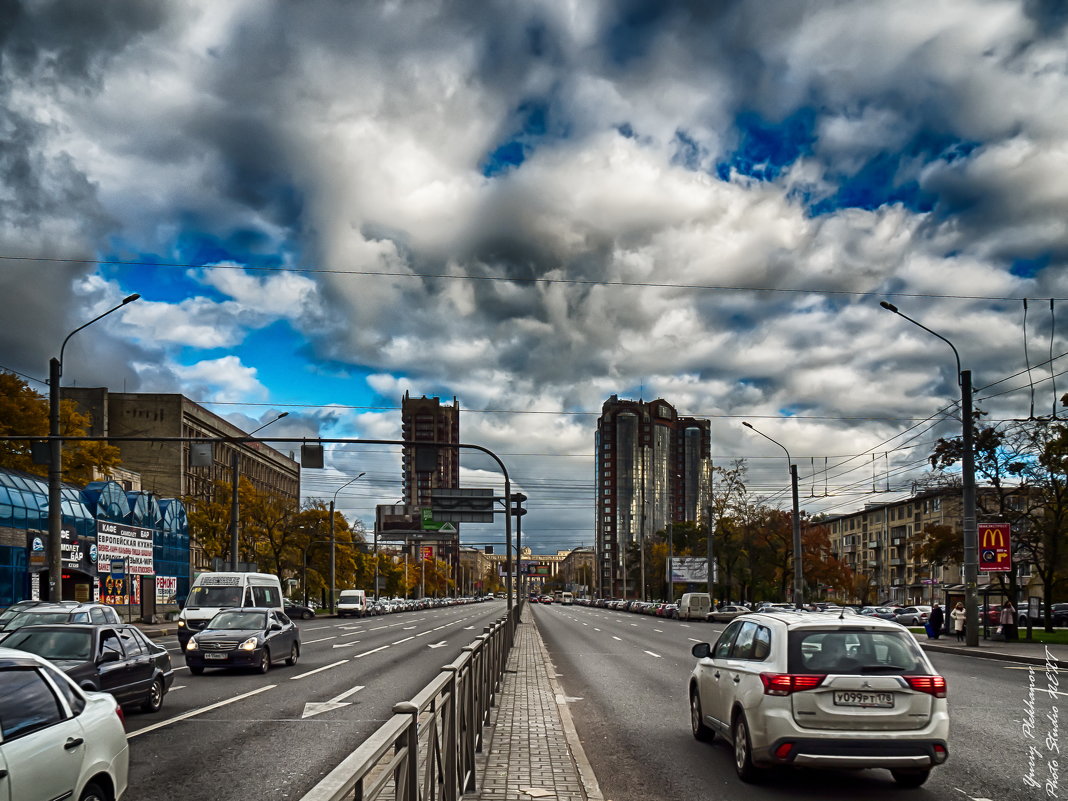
532 205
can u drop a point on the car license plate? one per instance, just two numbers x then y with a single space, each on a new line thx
854 698
224 656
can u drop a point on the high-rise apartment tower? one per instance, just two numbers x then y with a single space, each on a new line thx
653 467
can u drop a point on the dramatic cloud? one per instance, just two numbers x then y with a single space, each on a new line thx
532 206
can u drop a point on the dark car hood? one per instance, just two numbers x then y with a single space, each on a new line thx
227 634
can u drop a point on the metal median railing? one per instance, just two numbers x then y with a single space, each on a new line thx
426 750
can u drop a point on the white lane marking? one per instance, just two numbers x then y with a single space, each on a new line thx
441 644
312 708
176 687
658 631
614 637
691 639
319 670
351 633
658 656
321 639
398 642
346 644
372 651
194 712
409 628
685 625
596 629
634 624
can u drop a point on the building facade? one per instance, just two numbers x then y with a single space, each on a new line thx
881 545
653 467
167 468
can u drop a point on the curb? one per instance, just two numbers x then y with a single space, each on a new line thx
1000 656
582 763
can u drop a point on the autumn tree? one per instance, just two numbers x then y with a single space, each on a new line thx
24 412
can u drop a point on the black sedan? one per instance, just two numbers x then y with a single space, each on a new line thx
293 610
114 659
244 638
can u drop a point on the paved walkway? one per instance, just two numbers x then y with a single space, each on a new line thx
533 750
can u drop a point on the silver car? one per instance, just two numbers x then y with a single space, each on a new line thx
805 690
913 615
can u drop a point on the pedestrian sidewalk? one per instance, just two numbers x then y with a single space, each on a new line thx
533 750
1032 653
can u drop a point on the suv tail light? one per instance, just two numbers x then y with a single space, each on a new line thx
119 712
932 685
786 683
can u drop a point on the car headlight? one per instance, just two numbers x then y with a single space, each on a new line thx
192 645
181 624
249 644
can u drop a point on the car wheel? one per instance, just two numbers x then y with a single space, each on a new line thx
93 792
308 615
196 670
743 751
265 660
294 652
697 721
910 778
154 701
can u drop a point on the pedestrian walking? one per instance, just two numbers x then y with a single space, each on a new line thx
1007 619
957 616
936 619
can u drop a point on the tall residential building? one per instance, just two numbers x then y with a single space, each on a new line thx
653 467
425 420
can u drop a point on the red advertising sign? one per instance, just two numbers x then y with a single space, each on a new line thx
427 553
995 547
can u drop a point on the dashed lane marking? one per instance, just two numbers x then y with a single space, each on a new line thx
194 712
318 670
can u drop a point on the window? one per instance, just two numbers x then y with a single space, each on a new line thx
27 703
75 700
265 596
98 616
109 641
131 643
726 640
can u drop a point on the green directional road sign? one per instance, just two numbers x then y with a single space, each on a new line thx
430 524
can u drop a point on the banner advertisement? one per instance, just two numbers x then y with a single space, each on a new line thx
120 541
995 547
119 591
166 589
685 569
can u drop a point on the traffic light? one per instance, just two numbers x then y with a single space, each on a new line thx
518 498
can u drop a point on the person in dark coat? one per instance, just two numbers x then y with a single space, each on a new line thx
937 618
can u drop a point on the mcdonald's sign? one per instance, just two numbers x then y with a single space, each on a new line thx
995 547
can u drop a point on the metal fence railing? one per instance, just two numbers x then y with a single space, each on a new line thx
426 750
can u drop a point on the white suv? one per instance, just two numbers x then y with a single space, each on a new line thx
821 690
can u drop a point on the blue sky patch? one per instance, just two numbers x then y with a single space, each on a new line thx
509 154
765 149
1029 268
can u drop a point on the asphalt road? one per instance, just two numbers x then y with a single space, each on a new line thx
240 735
625 676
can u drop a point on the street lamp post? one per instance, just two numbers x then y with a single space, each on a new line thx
55 463
799 592
235 477
971 533
333 546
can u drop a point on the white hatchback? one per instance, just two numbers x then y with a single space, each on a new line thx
57 741
821 690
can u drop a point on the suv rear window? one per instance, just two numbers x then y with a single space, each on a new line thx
854 651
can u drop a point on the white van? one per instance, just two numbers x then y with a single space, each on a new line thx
566 599
352 602
695 606
212 592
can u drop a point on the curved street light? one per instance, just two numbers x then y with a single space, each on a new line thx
333 544
55 459
969 523
799 592
235 478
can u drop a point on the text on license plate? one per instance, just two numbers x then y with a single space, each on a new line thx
855 698
224 656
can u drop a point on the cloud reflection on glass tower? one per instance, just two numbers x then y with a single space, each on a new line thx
653 467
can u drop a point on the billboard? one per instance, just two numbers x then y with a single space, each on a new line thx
686 569
995 547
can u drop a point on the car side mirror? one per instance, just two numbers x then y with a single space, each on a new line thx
702 650
108 656
276 627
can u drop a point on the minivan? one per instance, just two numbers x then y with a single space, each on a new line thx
212 592
695 606
352 602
